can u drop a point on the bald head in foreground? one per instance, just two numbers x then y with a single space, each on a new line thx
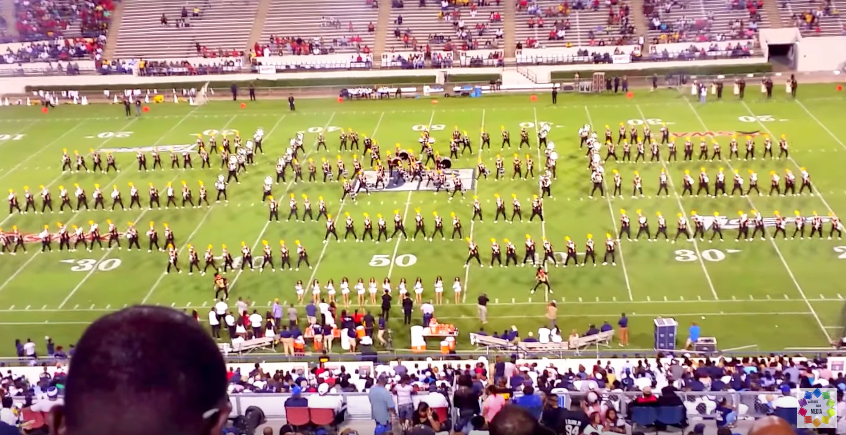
144 370
771 425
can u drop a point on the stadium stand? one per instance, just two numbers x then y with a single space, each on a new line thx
42 19
814 18
704 20
163 29
433 26
579 23
318 27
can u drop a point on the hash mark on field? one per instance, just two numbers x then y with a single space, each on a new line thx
188 305
108 306
27 307
76 306
665 299
91 307
44 307
839 296
11 308
648 299
681 298
172 304
734 298
698 297
785 296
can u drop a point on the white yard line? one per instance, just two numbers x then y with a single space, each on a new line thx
338 216
541 162
833 136
472 221
684 215
202 221
405 214
287 188
136 220
772 241
614 225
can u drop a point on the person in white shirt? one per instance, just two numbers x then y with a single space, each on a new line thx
241 306
6 414
214 322
435 399
52 400
220 308
405 404
29 349
322 400
787 399
256 323
324 310
428 310
230 324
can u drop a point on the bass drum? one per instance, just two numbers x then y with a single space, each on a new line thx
403 155
446 163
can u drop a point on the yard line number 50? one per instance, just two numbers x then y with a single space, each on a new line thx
403 260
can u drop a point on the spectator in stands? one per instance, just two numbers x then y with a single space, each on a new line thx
493 403
529 400
426 416
552 314
323 400
296 400
145 370
514 420
405 404
6 414
595 427
591 330
381 405
787 399
466 401
613 422
646 399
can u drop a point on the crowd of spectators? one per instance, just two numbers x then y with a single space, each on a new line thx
288 45
47 19
144 67
57 49
699 29
809 21
693 52
618 28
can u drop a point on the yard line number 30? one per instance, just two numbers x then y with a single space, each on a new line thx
88 264
686 255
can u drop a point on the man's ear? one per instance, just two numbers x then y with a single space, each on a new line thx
56 420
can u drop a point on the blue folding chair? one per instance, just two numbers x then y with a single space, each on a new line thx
644 416
789 414
671 415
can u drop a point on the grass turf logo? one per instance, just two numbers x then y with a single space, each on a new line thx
817 408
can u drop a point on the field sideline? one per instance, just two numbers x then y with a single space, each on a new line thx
740 292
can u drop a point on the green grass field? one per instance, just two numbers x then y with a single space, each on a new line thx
770 294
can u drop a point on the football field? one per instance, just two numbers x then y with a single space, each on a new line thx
766 294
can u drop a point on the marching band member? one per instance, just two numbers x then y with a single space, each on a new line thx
643 226
548 253
717 154
307 209
439 227
30 201
17 239
537 208
716 228
80 162
132 237
672 156
419 225
780 224
399 226
157 159
789 182
738 184
114 237
292 204
783 148
698 225
154 197
65 197
330 229
173 259
174 164
226 257
284 257
66 161
640 152
193 260
500 208
703 150
637 185
688 149
153 238
472 252
273 207
704 183
806 182
45 237
209 260
302 255
655 152
836 226
596 179
610 248
267 257
171 196
733 146
750 148
246 257
13 202
142 161
753 182
816 226
759 226
682 228
530 251
590 251
546 185
456 227
81 198
768 147
64 239
383 229
515 203
662 183
186 195
496 254
743 227
46 199
506 139
477 210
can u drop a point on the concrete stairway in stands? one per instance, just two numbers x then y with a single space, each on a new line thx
258 25
7 11
382 25
114 30
639 21
509 24
772 12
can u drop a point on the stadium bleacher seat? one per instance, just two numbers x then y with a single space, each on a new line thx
814 18
579 23
319 26
704 20
434 24
57 49
221 27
